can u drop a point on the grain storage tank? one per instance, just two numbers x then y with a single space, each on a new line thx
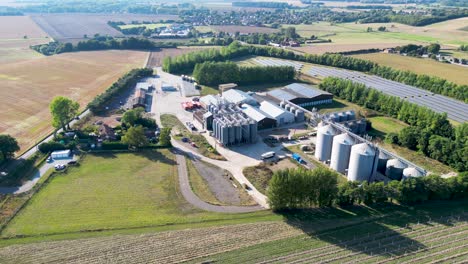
394 169
411 172
340 152
324 142
353 127
382 163
287 107
342 117
292 109
361 162
350 115
299 115
361 126
282 104
334 117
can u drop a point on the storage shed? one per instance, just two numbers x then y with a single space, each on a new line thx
61 154
238 97
301 94
263 119
281 116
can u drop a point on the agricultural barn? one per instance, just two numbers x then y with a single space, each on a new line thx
301 94
139 99
210 99
238 97
263 119
281 116
61 154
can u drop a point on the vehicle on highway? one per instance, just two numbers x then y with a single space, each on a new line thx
60 167
268 155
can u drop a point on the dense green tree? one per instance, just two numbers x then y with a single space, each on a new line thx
131 117
135 137
8 146
63 110
165 137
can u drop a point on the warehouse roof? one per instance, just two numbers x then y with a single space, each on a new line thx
255 113
143 85
273 110
237 96
211 100
297 90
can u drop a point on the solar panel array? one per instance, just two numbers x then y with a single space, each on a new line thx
272 62
456 110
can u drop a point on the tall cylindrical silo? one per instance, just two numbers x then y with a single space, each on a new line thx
287 107
299 115
362 126
382 163
238 129
394 169
324 142
292 109
334 117
253 131
411 172
282 104
225 134
340 152
361 162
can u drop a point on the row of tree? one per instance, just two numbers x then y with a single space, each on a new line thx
185 64
434 128
299 189
214 73
102 43
128 80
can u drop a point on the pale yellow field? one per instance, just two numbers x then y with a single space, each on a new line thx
17 33
28 86
453 73
454 24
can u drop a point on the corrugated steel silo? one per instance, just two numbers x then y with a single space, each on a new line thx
342 117
324 142
411 172
340 152
299 115
350 115
287 107
361 162
238 130
282 104
394 169
334 117
253 131
362 126
382 163
292 109
245 131
232 134
225 135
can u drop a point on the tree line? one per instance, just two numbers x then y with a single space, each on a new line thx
101 43
301 189
128 80
186 63
430 129
263 4
215 73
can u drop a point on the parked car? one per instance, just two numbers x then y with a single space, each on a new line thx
49 159
196 99
194 145
184 139
72 162
60 167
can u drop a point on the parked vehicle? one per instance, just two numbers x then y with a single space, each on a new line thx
194 145
49 159
72 162
185 140
60 167
196 99
297 158
268 155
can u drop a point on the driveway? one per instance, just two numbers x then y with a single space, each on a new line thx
28 185
197 202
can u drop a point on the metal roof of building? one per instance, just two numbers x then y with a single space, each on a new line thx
255 113
236 96
296 90
273 110
143 85
211 99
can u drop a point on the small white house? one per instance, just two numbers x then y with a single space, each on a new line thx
61 154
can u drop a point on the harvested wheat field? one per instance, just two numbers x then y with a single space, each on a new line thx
27 87
17 33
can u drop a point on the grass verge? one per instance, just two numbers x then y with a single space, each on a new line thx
199 185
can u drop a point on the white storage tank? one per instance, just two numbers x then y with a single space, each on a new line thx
394 169
340 152
282 104
361 162
292 109
323 146
287 107
411 172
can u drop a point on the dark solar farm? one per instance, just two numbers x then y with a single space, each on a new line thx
456 110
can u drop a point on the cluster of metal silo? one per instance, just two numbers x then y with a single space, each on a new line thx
362 162
299 115
394 169
340 117
231 126
341 151
411 172
323 147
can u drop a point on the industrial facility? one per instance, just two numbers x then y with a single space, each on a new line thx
303 95
139 97
348 119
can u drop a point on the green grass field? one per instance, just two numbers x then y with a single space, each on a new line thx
112 191
381 125
453 73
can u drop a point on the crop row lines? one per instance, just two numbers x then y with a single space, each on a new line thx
363 240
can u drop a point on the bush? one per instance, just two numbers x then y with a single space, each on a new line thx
114 146
48 147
